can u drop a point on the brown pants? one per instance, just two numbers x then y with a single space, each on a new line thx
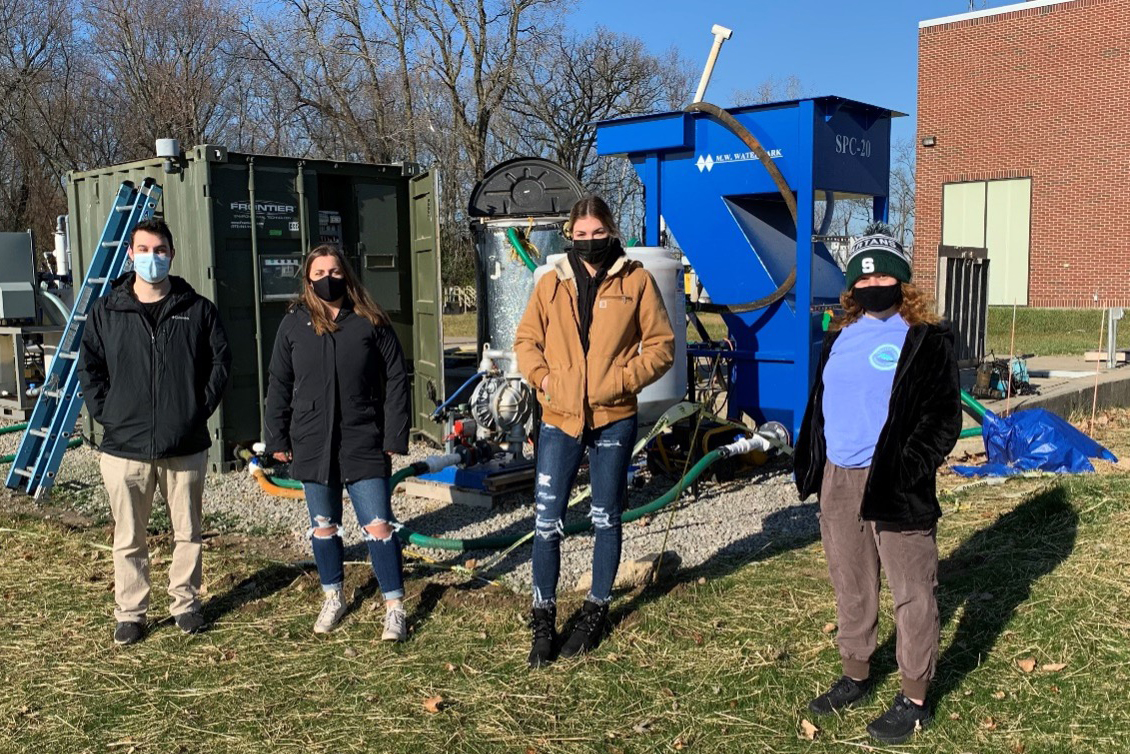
855 549
131 485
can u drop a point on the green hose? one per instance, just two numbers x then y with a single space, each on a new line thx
973 405
970 432
500 541
13 428
73 443
520 248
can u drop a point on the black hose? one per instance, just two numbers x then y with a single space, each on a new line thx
743 133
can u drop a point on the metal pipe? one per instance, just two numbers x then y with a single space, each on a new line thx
255 287
58 304
303 228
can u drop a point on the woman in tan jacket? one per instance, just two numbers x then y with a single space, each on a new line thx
594 334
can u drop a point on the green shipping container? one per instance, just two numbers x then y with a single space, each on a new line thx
241 224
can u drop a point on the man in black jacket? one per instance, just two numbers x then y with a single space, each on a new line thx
153 369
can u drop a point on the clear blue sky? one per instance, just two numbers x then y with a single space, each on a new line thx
861 49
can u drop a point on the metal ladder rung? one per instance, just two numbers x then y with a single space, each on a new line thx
22 472
95 281
56 394
38 433
125 208
111 244
67 354
79 318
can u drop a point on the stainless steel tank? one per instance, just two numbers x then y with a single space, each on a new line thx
529 198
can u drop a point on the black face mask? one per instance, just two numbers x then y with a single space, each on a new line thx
598 251
329 288
878 298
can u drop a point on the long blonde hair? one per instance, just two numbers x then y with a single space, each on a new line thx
916 308
355 295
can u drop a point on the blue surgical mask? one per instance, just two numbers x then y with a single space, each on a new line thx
152 268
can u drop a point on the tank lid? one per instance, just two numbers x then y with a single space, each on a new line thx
525 187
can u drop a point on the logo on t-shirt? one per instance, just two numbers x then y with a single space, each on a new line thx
885 357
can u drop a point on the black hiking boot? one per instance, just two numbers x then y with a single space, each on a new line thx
591 623
844 693
900 722
543 623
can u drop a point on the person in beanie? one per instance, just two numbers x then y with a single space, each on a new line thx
153 368
594 334
883 415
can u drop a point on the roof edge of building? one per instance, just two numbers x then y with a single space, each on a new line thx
989 12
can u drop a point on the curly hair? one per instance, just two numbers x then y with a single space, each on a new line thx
916 308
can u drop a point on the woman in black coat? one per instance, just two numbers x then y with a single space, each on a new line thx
338 405
883 415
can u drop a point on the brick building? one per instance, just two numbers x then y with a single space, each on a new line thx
1024 149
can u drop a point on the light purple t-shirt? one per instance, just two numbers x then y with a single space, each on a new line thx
857 388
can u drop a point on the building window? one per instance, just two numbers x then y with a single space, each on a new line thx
993 215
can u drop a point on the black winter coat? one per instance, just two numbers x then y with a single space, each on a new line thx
338 402
153 389
923 423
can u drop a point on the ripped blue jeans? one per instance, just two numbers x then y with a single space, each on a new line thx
558 458
373 505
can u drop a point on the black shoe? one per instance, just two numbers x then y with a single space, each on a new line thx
591 623
543 622
900 722
844 693
128 632
191 622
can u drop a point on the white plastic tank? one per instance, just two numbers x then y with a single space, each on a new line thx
666 267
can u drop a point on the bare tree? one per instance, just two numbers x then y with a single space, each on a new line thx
169 68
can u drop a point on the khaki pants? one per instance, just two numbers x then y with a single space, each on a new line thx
855 549
131 485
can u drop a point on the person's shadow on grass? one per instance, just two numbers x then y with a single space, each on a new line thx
992 574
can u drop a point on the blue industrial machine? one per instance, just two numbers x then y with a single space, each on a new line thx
723 182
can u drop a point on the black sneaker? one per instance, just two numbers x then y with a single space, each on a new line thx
900 722
844 693
591 623
128 632
543 622
191 622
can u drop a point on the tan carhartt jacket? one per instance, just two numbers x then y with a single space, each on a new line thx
631 345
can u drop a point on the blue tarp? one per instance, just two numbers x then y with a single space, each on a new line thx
1034 440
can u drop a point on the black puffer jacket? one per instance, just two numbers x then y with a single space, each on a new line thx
338 402
923 423
153 389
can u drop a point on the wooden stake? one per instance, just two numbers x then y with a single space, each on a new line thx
1011 356
1098 364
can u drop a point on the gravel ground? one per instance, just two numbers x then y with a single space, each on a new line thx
729 522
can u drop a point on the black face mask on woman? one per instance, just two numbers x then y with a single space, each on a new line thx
329 288
598 251
878 298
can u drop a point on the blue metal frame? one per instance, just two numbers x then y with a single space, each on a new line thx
725 212
52 422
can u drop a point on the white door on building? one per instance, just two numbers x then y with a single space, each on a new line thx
994 215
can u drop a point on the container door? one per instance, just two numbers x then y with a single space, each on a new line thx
427 306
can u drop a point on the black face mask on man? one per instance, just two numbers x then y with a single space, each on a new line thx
597 251
329 288
877 298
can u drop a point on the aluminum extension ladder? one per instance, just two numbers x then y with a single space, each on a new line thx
52 422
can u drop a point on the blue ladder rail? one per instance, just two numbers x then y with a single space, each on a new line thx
52 422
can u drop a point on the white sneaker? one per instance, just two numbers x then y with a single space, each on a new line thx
396 625
332 611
